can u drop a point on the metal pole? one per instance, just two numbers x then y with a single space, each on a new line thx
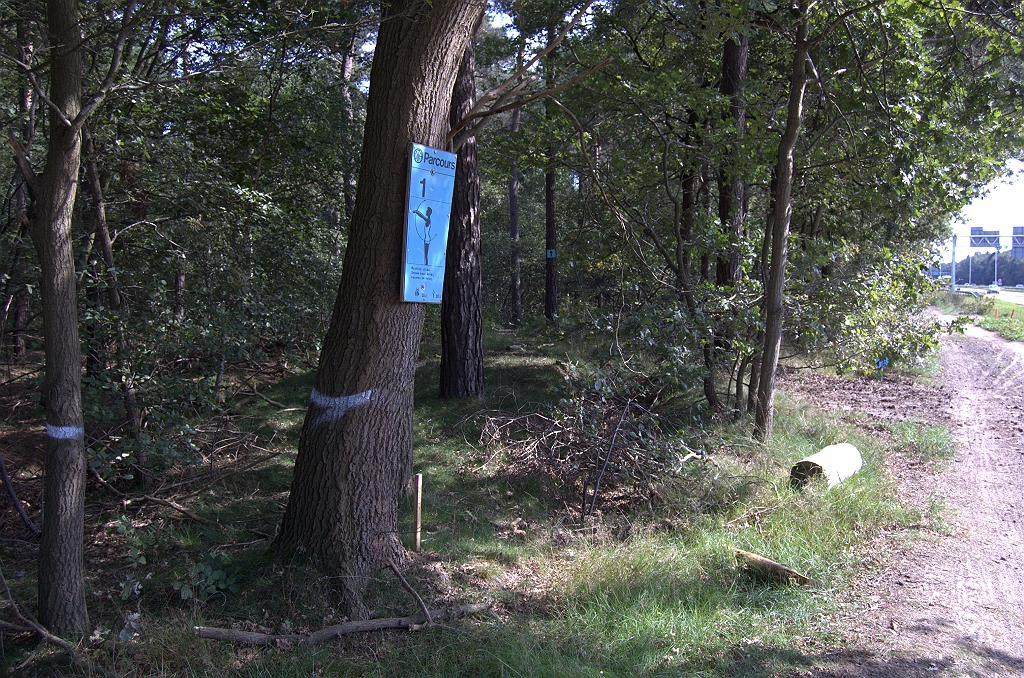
952 269
996 281
970 270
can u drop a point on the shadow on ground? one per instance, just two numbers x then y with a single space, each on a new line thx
967 658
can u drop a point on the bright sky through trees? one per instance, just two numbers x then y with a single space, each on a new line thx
1000 208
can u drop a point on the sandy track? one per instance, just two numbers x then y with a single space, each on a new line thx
951 603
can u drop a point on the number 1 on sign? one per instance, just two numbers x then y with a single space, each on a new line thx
423 185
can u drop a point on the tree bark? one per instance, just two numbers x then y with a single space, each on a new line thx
356 440
462 342
515 284
782 213
61 570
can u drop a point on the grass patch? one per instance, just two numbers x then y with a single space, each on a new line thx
1004 318
922 442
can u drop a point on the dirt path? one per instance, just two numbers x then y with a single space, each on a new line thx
951 603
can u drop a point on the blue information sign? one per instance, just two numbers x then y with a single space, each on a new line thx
428 210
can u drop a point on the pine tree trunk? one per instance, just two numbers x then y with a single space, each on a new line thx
61 570
783 211
462 343
356 441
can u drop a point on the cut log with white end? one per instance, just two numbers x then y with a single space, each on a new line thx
834 463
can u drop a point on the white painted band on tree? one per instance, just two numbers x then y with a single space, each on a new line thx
335 408
65 432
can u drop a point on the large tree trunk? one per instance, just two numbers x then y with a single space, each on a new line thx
783 211
356 440
61 571
462 341
515 284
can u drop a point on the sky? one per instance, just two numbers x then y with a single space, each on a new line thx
1000 209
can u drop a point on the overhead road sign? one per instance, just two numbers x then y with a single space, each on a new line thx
1018 242
983 238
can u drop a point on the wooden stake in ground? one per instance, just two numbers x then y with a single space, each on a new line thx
769 569
419 507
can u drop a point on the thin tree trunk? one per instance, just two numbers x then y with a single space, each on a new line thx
19 324
551 243
731 203
515 284
347 63
103 243
731 189
774 292
179 289
356 440
462 342
550 221
27 106
62 606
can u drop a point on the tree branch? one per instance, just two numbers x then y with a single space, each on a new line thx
408 587
21 159
127 23
331 632
517 103
493 93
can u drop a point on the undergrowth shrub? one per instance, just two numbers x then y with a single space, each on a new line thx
601 445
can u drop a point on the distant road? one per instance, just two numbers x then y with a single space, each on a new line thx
1013 295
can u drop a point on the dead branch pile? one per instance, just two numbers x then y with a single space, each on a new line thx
595 451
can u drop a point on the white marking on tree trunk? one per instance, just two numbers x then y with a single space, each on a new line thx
335 408
65 432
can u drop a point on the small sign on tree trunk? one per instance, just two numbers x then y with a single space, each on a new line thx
428 210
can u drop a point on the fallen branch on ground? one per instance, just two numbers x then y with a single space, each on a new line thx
267 400
14 499
408 587
412 623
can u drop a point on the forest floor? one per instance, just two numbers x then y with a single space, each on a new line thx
952 602
937 590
